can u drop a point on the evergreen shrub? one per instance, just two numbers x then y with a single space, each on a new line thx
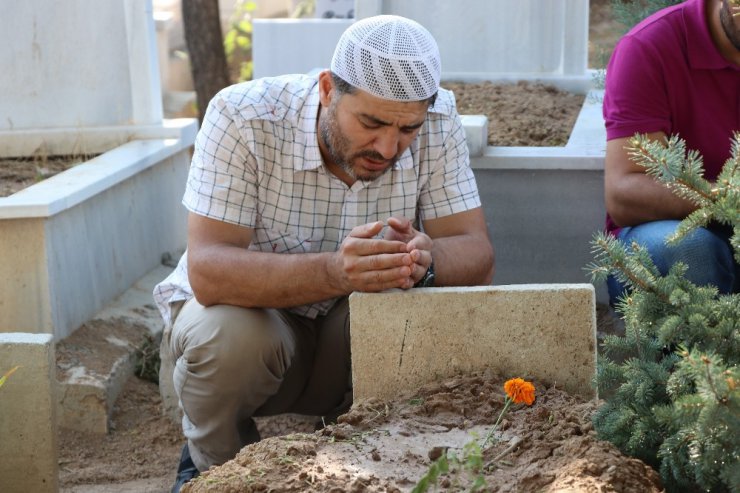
671 382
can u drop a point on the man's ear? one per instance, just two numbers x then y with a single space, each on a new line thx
326 88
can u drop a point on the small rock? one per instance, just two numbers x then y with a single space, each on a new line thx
436 452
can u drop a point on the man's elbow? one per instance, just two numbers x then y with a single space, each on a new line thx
616 209
204 296
489 275
203 289
488 280
488 267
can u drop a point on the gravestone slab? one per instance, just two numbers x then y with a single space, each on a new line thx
404 339
28 428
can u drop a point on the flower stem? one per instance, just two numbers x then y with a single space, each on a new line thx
507 403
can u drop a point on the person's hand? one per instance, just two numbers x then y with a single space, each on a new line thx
365 263
418 244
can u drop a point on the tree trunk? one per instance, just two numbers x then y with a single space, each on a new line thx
206 49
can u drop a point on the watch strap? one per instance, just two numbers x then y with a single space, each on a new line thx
427 281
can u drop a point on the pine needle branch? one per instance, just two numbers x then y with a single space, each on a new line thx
671 164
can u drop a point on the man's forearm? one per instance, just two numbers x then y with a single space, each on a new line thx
631 195
639 198
234 276
463 260
226 272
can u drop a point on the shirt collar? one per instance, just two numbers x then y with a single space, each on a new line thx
308 134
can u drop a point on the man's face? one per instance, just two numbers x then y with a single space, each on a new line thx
363 136
729 16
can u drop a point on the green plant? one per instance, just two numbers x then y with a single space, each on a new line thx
598 77
304 8
7 374
466 467
630 12
627 13
146 359
238 39
673 399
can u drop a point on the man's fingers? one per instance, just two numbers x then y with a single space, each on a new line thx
366 230
380 280
400 224
420 242
378 272
371 264
356 241
363 246
382 262
399 228
421 257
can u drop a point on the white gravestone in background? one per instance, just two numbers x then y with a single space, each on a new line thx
78 64
496 40
500 39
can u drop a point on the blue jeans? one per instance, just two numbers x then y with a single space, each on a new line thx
706 251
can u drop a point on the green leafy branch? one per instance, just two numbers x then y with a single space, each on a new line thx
238 38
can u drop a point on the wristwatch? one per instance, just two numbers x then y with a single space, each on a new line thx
428 280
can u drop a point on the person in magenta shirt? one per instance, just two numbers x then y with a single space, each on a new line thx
676 72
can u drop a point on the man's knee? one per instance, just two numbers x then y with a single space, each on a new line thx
708 256
226 339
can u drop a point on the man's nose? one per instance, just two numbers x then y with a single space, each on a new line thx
386 143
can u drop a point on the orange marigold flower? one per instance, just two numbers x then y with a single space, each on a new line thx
519 390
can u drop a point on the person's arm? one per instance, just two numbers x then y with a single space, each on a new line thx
631 195
461 249
458 244
222 271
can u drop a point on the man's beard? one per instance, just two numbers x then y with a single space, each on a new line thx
338 146
728 25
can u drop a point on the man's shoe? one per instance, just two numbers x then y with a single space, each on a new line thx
330 418
186 470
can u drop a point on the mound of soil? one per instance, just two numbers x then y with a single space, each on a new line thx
522 113
389 446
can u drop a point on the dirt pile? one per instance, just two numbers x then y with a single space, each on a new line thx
521 113
389 446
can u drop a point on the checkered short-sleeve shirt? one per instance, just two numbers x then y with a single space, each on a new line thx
257 164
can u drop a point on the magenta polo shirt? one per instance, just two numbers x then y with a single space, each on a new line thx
667 75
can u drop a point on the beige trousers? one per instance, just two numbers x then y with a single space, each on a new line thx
232 363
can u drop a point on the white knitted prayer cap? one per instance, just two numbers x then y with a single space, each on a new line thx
389 56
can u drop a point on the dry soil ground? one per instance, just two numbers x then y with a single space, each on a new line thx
17 174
